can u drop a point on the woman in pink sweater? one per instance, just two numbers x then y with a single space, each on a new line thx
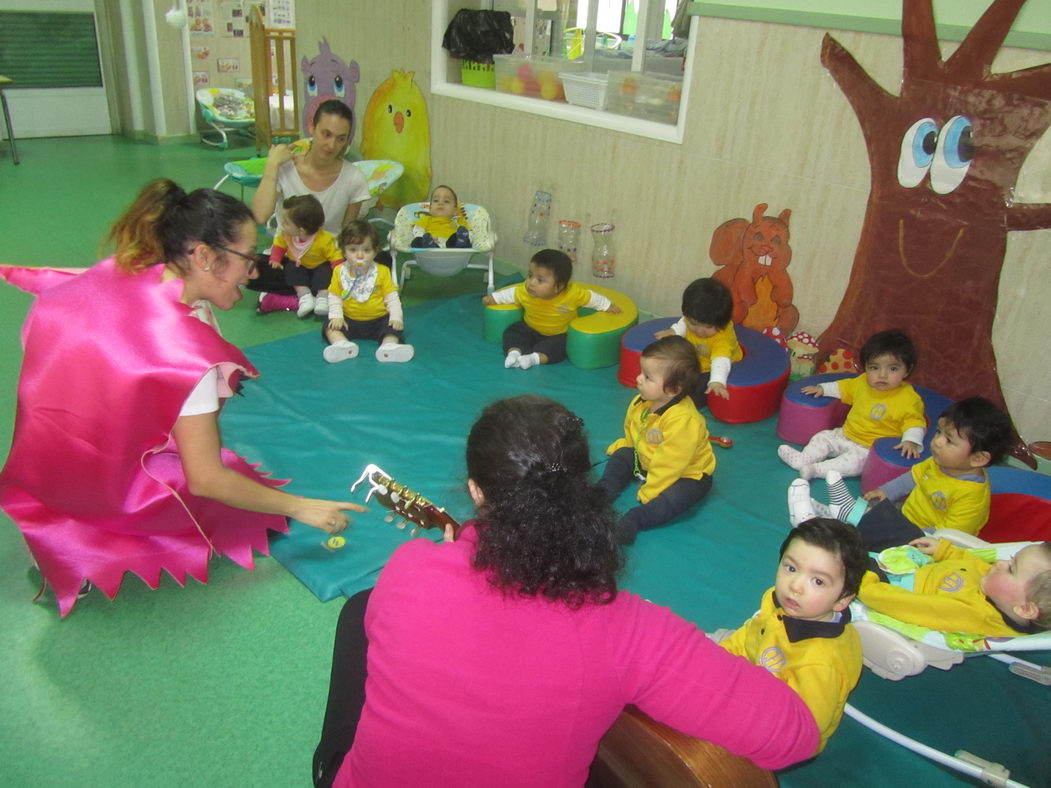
502 658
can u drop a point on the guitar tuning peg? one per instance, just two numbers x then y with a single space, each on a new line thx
388 518
401 525
415 531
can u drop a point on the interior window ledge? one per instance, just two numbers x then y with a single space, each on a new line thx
551 109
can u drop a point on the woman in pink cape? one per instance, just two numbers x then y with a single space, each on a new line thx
116 463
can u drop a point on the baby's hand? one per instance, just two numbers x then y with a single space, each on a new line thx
338 324
275 263
909 449
613 309
926 544
717 388
875 495
488 300
667 332
397 325
813 391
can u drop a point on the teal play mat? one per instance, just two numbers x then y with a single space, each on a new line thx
321 424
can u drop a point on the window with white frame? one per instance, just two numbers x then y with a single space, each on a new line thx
624 48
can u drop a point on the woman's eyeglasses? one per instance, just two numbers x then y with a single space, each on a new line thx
249 258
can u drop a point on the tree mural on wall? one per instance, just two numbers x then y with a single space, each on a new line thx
944 156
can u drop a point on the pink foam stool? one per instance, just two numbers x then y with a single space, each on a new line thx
802 416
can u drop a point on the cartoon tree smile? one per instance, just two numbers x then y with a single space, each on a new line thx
944 156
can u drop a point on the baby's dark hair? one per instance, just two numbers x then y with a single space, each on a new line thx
1038 591
890 343
359 231
558 263
838 538
304 210
682 370
708 301
985 426
544 529
448 189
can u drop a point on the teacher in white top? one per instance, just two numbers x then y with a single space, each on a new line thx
321 171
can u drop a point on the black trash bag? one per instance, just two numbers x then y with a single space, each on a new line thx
478 35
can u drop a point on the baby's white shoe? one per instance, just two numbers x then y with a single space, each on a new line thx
321 306
306 305
340 351
511 362
392 351
800 505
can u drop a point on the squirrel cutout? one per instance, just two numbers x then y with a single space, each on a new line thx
752 258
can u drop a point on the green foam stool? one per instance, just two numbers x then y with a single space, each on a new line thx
497 318
593 340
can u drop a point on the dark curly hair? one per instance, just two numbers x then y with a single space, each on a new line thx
985 426
838 538
544 529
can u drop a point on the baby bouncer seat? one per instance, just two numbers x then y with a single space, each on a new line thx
896 650
438 261
225 110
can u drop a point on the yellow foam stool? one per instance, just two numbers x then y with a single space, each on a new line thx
594 339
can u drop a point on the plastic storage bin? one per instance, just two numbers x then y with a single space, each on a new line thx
647 96
586 89
537 77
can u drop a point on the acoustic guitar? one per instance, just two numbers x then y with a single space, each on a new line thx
405 503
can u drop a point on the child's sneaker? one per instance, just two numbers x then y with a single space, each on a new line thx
800 505
392 351
306 305
321 306
511 361
275 302
340 351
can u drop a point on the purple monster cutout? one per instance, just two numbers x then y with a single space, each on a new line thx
326 77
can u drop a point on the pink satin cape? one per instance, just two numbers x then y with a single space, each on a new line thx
94 480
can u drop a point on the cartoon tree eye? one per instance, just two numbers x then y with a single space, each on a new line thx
338 82
311 85
952 159
408 113
390 109
917 152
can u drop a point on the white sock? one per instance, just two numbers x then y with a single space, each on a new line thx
525 362
321 305
306 305
511 362
791 457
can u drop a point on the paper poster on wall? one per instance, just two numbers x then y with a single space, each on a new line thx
228 65
200 79
201 14
281 13
233 16
200 53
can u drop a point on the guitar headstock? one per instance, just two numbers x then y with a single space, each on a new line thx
405 503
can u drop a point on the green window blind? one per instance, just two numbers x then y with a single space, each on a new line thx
49 50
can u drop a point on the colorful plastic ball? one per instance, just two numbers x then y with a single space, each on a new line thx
549 90
525 72
516 86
